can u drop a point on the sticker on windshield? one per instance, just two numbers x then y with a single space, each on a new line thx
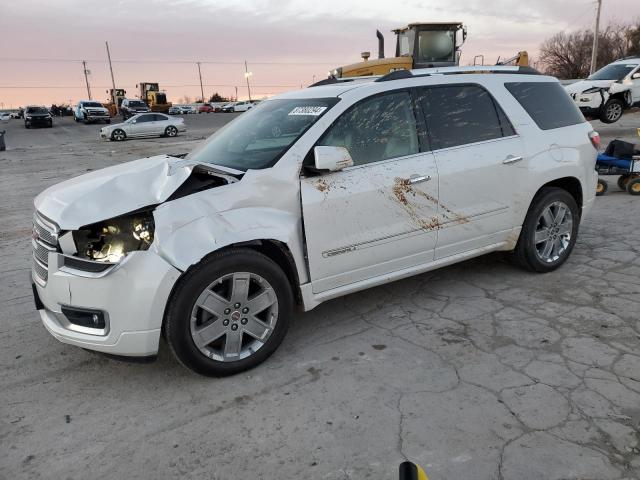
312 111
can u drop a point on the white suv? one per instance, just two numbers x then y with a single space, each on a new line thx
610 91
311 195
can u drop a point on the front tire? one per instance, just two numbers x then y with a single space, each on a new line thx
601 187
171 131
549 231
633 186
612 111
118 135
229 313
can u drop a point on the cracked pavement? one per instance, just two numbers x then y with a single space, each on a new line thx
475 371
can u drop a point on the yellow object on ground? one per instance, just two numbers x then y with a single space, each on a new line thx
411 471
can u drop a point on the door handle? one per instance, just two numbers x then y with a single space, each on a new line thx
512 159
413 179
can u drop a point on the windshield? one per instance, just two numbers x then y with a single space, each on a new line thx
136 103
91 104
436 46
37 110
258 138
614 71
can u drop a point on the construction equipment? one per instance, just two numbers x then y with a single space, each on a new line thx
115 100
418 45
521 59
150 94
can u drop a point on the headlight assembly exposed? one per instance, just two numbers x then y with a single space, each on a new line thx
109 241
593 90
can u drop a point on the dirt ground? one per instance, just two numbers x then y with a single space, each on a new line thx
476 371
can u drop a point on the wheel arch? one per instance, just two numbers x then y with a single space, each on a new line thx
571 184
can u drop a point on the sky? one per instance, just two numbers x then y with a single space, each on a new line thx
287 43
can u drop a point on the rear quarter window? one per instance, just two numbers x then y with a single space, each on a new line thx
547 103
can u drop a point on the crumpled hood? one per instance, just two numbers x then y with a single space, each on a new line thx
583 85
112 191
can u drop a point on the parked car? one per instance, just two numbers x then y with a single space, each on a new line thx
188 109
380 179
227 108
610 91
132 106
144 125
18 114
205 108
175 110
88 111
5 116
242 106
37 116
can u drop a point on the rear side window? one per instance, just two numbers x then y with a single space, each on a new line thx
547 103
462 114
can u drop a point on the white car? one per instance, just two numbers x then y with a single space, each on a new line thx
188 109
242 106
5 116
610 91
144 125
316 194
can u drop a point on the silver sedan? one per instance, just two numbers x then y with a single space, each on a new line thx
144 125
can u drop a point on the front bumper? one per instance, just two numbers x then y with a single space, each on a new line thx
97 118
39 121
132 294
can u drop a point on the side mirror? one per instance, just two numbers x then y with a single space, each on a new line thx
635 76
332 159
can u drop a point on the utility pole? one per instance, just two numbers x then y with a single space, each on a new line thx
236 94
113 82
200 75
247 74
86 78
594 52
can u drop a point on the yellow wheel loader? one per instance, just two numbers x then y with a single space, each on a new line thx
418 45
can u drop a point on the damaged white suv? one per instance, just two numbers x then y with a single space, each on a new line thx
309 196
610 91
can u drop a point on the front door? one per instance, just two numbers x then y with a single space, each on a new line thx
480 163
381 215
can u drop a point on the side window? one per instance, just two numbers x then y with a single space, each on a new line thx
159 118
547 103
375 129
462 114
145 118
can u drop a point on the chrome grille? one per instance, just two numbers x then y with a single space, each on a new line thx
44 240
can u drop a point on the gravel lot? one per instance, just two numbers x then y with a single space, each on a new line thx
476 371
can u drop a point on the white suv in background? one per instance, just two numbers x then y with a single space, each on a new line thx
311 195
610 91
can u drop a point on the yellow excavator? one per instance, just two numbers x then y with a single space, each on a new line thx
418 45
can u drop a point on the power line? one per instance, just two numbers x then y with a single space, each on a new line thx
163 86
212 62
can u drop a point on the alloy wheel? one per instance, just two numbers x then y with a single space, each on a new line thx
614 111
553 232
234 316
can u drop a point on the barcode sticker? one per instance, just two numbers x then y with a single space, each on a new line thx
312 111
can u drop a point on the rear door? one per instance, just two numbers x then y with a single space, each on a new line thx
380 215
479 158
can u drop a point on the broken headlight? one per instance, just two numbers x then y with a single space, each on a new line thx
109 241
593 90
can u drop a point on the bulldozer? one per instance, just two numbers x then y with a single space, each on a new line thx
418 45
115 100
150 94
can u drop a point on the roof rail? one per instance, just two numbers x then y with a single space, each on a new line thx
334 80
395 75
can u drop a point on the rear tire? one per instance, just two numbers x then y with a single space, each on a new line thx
622 181
228 283
549 231
633 187
171 131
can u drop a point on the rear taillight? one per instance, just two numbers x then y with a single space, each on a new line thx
595 139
